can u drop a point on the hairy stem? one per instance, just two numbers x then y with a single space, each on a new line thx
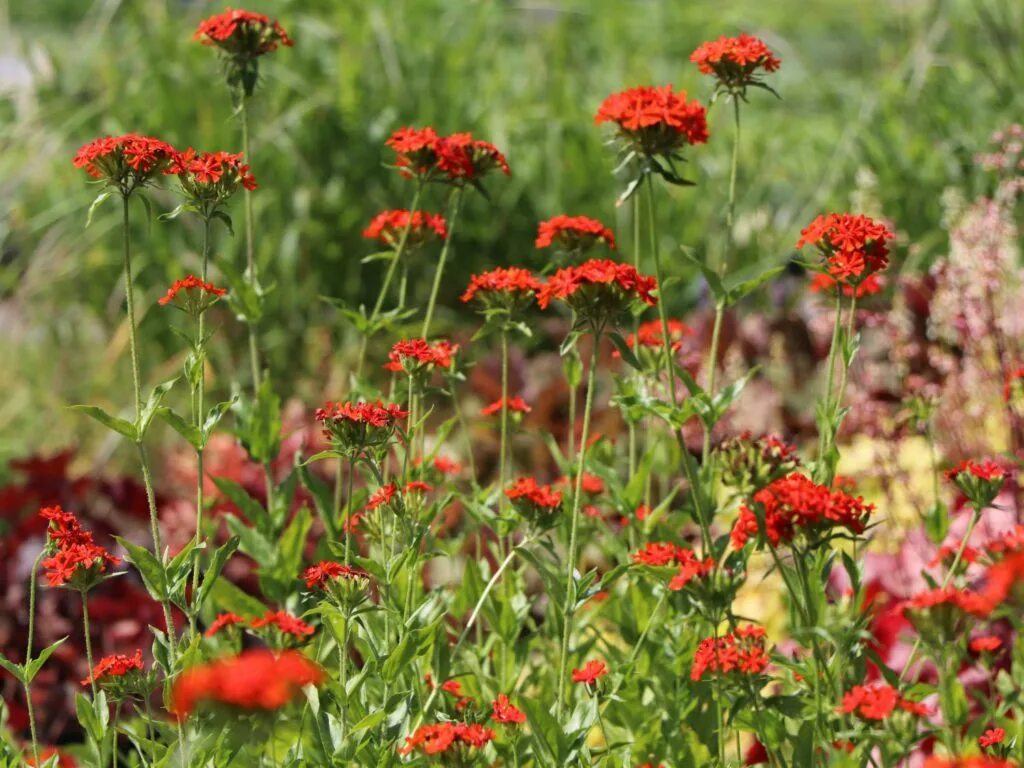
453 218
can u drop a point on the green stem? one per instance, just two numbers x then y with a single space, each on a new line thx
250 259
28 653
88 643
455 207
662 311
636 648
113 739
824 442
388 277
568 607
348 506
632 459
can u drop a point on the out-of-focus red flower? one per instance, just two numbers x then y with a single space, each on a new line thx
439 738
877 701
253 680
991 737
505 712
852 246
735 61
117 665
389 227
223 621
655 121
870 285
651 335
382 496
985 644
980 482
591 672
534 498
971 761
756 754
324 572
515 404
417 355
573 233
741 651
285 623
64 760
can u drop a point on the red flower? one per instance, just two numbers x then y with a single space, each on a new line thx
117 665
573 233
742 651
991 737
658 554
794 503
979 482
415 355
253 680
591 672
877 701
324 572
974 761
503 283
505 712
655 121
651 335
440 737
734 60
285 623
418 486
63 760
76 561
985 644
389 227
598 286
986 470
127 161
456 159
516 404
447 466
224 620
852 246
870 285
541 497
382 496
242 33
355 428
192 295
690 568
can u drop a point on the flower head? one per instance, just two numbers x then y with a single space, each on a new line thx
502 293
794 504
440 738
458 159
390 227
119 675
343 585
749 463
735 62
75 560
741 652
505 712
355 429
284 627
852 247
255 680
574 234
416 356
539 504
192 296
877 701
514 404
225 621
991 737
209 179
655 121
822 282
598 289
242 36
126 162
980 482
591 672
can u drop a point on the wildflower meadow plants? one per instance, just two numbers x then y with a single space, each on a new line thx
387 592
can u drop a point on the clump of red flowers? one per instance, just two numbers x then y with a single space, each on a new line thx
735 62
439 738
852 247
971 761
655 121
649 335
224 621
503 711
415 356
598 289
418 228
504 291
209 179
119 675
343 585
575 234
192 295
126 162
741 652
591 672
457 159
75 560
749 463
514 404
253 680
242 36
795 504
285 627
991 737
980 482
539 504
354 428
877 701
870 285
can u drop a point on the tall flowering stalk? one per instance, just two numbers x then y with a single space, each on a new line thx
598 291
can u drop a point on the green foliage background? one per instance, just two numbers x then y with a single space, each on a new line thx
884 104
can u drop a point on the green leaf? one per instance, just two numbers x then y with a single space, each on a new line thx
119 425
625 351
226 220
249 507
213 417
378 256
154 576
33 667
212 571
100 199
227 597
180 425
252 542
740 290
714 282
15 669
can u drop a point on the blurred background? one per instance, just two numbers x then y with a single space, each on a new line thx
884 106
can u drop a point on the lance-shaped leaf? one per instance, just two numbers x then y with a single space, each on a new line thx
154 576
115 423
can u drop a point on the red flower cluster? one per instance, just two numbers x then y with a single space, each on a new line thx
972 761
852 246
651 335
508 288
979 482
741 651
659 554
127 161
192 295
540 496
734 60
985 644
389 227
598 286
285 623
224 620
455 159
655 121
325 572
439 738
505 712
795 503
253 680
415 355
382 496
985 470
516 404
573 233
76 561
242 33
870 285
117 665
878 700
354 427
211 177
591 672
991 737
